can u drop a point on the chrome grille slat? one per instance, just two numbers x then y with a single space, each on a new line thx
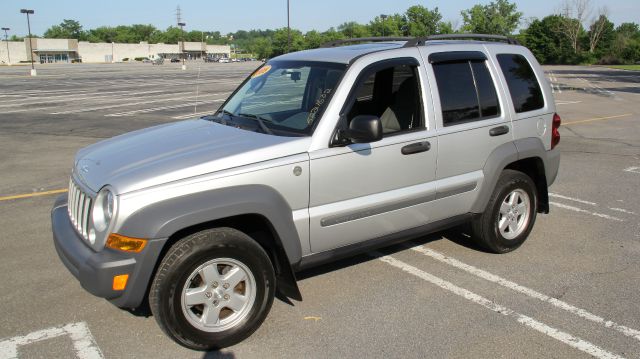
79 206
79 212
85 216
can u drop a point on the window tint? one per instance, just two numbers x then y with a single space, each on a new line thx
466 91
486 91
523 85
393 95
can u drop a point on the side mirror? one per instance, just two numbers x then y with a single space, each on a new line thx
365 129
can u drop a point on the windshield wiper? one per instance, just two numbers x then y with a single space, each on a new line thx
260 121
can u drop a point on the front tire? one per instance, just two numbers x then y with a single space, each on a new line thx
212 289
509 215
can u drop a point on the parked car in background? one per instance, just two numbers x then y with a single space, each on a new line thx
175 59
158 60
224 60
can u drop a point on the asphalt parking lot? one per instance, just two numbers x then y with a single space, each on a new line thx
570 291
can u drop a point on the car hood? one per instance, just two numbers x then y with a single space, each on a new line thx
176 151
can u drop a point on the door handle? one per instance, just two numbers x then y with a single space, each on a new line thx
499 131
416 148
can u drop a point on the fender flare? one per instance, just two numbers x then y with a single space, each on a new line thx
511 152
165 218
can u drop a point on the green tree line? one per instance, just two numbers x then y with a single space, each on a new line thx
568 37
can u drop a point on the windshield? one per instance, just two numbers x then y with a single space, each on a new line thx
284 97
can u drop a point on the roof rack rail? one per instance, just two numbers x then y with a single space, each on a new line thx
422 40
335 43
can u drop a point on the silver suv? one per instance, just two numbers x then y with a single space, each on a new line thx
318 155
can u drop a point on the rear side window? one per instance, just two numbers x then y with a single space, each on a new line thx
466 92
523 84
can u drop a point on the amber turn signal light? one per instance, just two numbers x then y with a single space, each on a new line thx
120 281
126 244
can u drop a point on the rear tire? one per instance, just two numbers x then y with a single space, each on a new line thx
509 215
212 289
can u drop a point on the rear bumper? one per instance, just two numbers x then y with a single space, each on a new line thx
95 270
552 165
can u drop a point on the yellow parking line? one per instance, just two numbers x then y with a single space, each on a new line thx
35 194
596 119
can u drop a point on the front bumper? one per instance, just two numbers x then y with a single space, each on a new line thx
95 270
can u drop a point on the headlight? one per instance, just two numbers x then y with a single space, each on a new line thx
103 210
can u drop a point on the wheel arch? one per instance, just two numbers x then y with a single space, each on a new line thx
256 210
526 155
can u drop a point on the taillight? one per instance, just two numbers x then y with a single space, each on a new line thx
555 133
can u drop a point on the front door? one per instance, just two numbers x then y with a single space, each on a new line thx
368 190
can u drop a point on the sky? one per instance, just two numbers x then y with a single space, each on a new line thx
228 15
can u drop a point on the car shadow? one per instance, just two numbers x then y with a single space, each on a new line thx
216 354
460 235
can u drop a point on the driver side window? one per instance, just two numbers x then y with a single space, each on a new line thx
391 94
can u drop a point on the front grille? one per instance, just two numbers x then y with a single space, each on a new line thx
79 209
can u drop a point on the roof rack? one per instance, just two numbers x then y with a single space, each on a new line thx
422 40
418 41
335 43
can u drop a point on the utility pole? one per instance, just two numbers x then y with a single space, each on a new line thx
182 25
6 39
288 29
27 11
383 17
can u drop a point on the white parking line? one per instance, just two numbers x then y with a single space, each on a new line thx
566 102
576 209
630 332
84 344
192 115
622 210
632 169
572 199
561 336
154 109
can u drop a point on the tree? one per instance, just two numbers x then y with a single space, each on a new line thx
446 27
68 29
574 13
281 43
353 29
422 21
601 29
393 25
261 47
313 39
332 35
548 44
626 43
500 18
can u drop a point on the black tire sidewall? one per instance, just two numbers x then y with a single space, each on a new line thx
232 245
509 181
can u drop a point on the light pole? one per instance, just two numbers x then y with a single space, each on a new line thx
28 11
288 29
6 39
182 25
383 17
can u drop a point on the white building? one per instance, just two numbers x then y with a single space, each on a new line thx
68 50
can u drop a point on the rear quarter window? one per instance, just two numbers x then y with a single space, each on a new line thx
522 82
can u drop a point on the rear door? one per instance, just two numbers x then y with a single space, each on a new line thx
471 122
